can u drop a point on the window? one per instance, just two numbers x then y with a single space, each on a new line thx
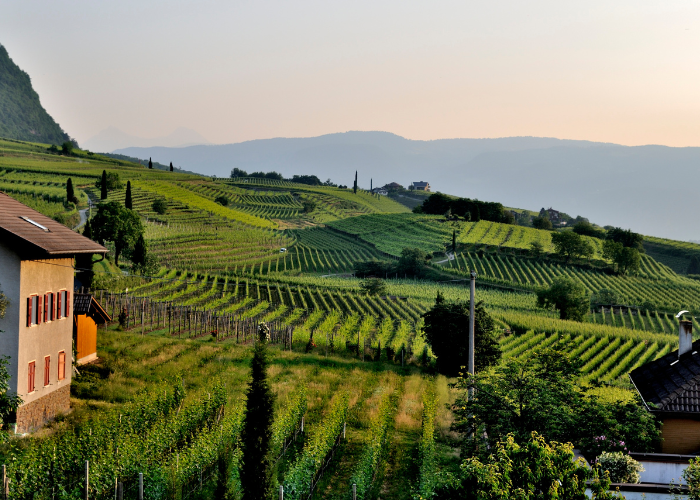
47 370
32 372
63 306
33 312
61 365
49 307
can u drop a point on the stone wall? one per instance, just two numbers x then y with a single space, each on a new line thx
35 414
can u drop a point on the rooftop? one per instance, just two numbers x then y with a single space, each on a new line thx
19 225
671 384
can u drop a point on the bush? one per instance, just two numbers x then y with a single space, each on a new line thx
221 200
692 478
160 206
622 467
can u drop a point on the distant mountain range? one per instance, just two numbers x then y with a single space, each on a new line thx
651 189
22 117
112 138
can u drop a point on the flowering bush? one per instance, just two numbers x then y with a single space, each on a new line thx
692 478
602 444
622 467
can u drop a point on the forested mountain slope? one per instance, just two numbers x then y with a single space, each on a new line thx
22 116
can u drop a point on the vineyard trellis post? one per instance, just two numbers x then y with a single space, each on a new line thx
87 479
140 486
354 491
281 495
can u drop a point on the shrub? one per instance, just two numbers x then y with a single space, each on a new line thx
622 467
692 478
159 206
222 200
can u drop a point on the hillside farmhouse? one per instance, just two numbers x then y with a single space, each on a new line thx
380 191
554 216
36 276
670 389
393 186
420 186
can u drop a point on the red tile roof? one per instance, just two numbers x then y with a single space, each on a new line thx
53 239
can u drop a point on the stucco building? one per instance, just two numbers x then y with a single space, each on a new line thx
36 276
87 314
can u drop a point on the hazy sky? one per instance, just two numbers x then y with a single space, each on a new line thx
617 71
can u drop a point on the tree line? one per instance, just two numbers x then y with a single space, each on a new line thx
469 209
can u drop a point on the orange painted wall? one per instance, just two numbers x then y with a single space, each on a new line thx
680 436
87 336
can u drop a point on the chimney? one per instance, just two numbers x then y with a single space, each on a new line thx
685 339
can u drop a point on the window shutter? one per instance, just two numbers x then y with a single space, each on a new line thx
46 308
53 306
29 311
38 309
61 365
30 378
58 305
67 304
47 370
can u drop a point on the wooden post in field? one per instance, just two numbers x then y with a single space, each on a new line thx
354 491
86 486
120 491
140 486
4 482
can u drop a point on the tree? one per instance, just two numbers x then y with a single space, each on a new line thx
693 265
437 204
103 185
624 259
568 245
67 148
626 237
567 296
454 241
171 166
87 229
411 261
374 268
222 200
128 203
542 223
257 425
585 228
110 180
70 192
373 286
309 206
237 172
536 249
446 330
117 224
159 206
311 180
532 470
542 394
606 296
9 402
150 163
354 186
83 269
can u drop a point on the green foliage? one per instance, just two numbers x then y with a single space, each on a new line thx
542 223
585 228
298 479
428 465
285 425
256 437
9 401
4 302
533 470
568 245
222 200
605 296
309 206
369 464
691 475
625 259
70 192
128 202
541 393
374 268
536 249
103 185
373 286
411 262
23 117
159 206
109 181
569 297
117 224
446 331
621 467
627 238
693 265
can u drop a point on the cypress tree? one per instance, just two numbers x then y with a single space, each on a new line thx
103 186
370 185
87 229
127 199
150 163
171 166
257 425
138 255
354 186
70 192
454 241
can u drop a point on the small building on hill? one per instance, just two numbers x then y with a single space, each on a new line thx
420 186
380 191
36 276
554 216
87 314
670 389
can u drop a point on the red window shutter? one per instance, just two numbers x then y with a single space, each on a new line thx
67 304
53 306
47 370
61 365
38 309
58 305
29 311
30 378
46 308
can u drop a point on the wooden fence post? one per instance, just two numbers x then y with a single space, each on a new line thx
140 486
87 480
